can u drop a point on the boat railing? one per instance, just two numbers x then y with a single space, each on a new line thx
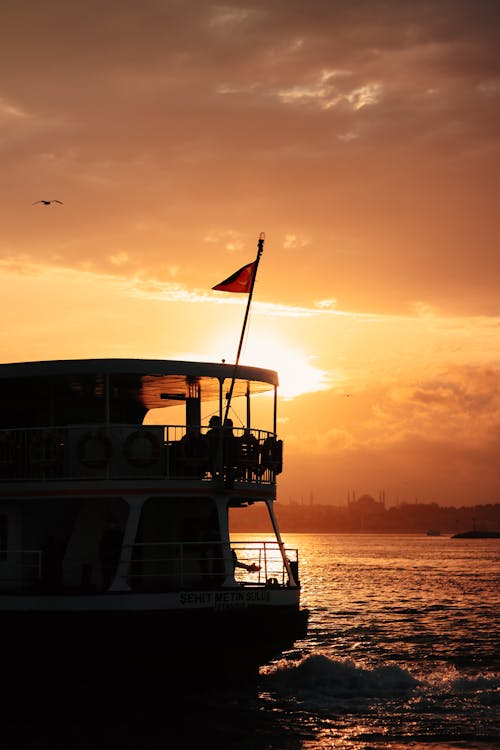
206 564
117 451
268 557
152 567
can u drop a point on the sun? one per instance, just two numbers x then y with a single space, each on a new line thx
297 373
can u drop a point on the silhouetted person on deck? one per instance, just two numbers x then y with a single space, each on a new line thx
213 439
248 463
252 567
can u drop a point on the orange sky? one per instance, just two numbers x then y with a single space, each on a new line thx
361 136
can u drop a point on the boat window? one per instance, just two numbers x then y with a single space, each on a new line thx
177 545
182 520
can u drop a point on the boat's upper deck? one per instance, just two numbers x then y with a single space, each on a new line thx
63 392
89 419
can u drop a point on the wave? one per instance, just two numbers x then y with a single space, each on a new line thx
485 688
342 678
326 679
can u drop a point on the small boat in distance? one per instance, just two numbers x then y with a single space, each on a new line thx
476 533
116 541
433 532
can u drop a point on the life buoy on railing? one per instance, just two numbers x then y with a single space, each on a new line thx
132 442
103 449
193 446
193 453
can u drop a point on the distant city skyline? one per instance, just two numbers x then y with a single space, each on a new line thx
379 497
372 517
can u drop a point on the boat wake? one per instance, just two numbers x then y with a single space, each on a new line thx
342 678
317 681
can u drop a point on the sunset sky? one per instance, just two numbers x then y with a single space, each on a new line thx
363 138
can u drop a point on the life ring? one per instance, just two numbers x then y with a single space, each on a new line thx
193 447
193 454
105 445
130 454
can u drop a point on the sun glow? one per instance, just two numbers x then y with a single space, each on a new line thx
298 375
296 371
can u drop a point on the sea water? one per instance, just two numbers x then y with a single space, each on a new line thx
402 653
403 648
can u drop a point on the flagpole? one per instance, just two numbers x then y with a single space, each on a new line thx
260 250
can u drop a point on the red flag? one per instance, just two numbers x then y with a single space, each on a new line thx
240 281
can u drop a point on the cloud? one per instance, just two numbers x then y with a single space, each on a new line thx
8 110
326 93
295 242
459 408
434 439
364 132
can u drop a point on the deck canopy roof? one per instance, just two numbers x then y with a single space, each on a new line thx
131 386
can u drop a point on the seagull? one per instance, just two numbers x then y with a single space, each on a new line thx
47 203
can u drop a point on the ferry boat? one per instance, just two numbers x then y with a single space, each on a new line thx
116 541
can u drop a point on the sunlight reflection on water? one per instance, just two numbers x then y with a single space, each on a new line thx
402 648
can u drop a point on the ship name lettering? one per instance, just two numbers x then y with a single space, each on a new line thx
228 597
195 597
257 596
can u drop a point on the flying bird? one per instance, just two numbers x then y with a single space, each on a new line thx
46 203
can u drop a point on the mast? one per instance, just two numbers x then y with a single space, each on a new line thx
260 250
